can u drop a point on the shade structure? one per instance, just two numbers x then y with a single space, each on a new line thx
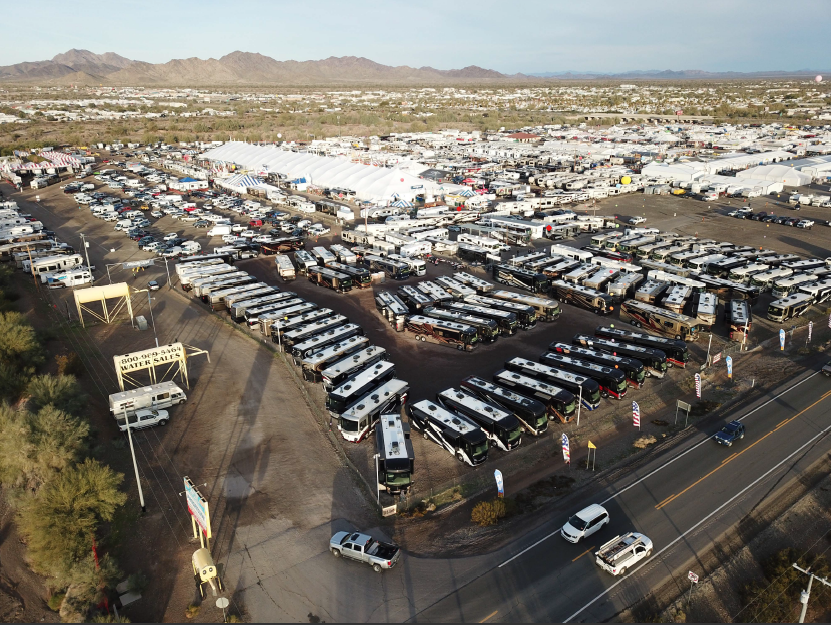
789 176
402 204
367 181
466 193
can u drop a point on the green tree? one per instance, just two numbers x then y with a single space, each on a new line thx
60 522
61 391
34 447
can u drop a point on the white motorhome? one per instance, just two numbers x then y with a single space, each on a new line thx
72 277
162 395
52 264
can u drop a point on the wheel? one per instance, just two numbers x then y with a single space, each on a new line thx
648 552
604 394
336 553
634 323
163 422
677 337
623 571
376 568
424 433
459 456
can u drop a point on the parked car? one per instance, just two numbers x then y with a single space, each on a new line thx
759 216
730 433
153 285
169 236
202 223
157 214
807 224
637 220
364 548
792 222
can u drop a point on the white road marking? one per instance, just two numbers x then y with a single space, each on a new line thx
662 467
706 518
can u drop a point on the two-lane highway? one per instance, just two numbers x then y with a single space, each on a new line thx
684 503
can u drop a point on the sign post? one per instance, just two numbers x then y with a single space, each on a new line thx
693 580
729 361
199 512
682 405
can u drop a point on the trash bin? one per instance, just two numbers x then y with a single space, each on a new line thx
141 322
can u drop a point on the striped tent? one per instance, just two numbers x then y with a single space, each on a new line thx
466 193
402 204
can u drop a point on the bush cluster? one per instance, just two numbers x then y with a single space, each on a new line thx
486 513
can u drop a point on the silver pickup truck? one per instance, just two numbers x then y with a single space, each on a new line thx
364 548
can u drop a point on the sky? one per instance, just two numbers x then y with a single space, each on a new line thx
528 36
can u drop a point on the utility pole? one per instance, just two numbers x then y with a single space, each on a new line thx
806 594
579 403
86 250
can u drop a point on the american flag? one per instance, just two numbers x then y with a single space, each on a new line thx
566 452
636 414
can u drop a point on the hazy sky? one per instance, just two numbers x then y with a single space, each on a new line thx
520 36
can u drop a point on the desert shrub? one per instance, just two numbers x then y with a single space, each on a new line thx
487 513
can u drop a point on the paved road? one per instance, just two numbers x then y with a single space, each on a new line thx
684 502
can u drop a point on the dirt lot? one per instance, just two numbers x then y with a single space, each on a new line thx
272 477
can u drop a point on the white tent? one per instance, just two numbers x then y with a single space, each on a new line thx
677 172
789 176
367 181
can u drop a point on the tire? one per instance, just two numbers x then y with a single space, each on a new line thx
459 457
424 434
604 394
376 568
634 323
336 553
648 552
163 422
623 571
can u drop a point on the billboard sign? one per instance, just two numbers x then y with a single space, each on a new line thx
198 507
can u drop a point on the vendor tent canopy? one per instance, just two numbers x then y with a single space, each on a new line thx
402 204
368 182
789 176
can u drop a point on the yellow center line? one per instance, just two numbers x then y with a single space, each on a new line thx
582 554
736 455
780 424
489 616
729 458
667 499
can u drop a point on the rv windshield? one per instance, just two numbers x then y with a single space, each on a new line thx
621 386
509 436
776 311
398 479
640 375
592 398
569 408
479 450
348 426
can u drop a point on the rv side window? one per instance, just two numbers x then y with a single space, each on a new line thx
162 396
668 324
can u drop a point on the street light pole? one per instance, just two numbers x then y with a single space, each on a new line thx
579 403
135 464
167 269
152 321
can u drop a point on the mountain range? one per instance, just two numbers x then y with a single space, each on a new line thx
82 67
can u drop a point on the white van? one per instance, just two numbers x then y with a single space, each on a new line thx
585 523
124 224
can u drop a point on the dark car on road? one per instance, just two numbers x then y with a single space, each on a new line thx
792 222
759 216
730 433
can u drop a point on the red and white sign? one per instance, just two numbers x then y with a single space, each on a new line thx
692 577
698 385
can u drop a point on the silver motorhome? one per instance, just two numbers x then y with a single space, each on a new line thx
161 395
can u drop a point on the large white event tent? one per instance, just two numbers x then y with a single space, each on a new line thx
368 182
788 176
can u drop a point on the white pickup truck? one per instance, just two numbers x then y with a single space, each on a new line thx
364 548
623 552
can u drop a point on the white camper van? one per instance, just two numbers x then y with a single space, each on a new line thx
69 278
162 395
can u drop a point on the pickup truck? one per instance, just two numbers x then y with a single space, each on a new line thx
730 433
364 548
623 552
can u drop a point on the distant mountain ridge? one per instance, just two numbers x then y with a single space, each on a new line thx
246 68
